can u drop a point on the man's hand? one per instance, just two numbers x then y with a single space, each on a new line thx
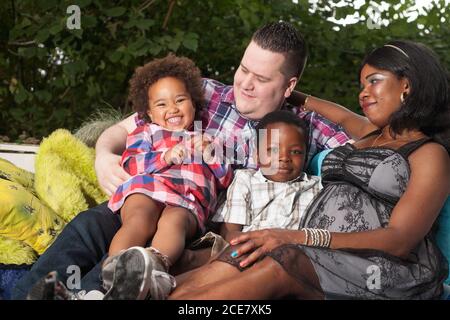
110 173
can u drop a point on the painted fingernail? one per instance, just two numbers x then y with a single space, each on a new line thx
234 254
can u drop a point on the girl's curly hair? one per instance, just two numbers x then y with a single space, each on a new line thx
181 68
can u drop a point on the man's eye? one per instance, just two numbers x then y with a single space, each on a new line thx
273 149
263 80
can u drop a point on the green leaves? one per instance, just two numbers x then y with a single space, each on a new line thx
84 69
115 12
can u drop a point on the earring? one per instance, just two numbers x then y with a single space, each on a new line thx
402 97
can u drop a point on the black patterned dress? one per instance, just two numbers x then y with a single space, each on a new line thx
361 188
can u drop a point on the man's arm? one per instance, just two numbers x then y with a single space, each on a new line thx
108 149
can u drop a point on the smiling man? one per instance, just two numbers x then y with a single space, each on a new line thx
267 74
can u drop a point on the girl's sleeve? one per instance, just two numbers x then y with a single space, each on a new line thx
223 174
139 156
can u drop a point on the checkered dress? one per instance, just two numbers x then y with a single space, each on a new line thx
193 185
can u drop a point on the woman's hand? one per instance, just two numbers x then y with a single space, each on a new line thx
258 243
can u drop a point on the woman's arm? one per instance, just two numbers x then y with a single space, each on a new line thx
354 124
109 148
411 219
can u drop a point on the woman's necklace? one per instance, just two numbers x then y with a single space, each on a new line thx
392 141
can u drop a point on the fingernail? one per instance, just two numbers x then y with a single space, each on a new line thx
234 254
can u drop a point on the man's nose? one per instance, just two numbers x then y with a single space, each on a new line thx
247 82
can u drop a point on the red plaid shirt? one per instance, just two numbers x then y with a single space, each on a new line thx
193 184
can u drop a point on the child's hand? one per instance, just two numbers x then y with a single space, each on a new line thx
203 144
176 154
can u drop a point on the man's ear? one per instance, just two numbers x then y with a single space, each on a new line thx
291 86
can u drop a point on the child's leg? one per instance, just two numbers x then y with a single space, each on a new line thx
175 225
140 216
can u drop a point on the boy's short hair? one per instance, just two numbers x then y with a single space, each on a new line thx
286 117
181 68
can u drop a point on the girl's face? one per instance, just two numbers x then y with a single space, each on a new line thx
170 104
380 94
281 152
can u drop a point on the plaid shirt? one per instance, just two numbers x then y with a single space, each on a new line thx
258 203
193 184
221 119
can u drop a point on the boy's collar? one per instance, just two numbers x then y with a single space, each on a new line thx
302 177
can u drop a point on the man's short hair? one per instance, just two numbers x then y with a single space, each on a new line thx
283 37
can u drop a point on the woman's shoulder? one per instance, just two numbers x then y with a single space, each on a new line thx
430 156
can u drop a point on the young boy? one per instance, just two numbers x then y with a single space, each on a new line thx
277 194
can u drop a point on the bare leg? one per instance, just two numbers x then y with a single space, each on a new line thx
203 276
264 280
140 216
174 226
190 259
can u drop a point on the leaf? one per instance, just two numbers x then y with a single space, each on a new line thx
115 12
55 28
42 35
115 56
144 24
21 95
191 44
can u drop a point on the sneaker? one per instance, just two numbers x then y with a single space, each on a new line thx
51 288
137 274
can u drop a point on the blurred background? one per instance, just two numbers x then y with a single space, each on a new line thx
53 77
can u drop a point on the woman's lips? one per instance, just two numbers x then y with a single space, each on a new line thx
366 105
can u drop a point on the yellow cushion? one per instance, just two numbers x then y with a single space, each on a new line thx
25 218
16 252
11 172
65 176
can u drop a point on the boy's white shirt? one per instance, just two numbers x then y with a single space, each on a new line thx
258 203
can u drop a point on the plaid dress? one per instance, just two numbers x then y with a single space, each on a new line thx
193 185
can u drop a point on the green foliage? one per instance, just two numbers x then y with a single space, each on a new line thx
55 77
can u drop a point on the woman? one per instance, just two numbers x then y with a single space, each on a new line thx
369 233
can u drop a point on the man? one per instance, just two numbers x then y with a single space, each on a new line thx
269 70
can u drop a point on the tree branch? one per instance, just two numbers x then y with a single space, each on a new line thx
169 13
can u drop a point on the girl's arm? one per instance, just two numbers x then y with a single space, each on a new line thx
139 156
411 218
354 124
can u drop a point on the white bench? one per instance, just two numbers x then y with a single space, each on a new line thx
22 155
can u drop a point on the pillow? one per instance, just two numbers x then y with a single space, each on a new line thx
24 217
65 177
11 172
315 164
443 232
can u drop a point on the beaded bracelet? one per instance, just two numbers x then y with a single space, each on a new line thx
318 237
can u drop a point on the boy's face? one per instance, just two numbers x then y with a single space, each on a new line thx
170 104
281 152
